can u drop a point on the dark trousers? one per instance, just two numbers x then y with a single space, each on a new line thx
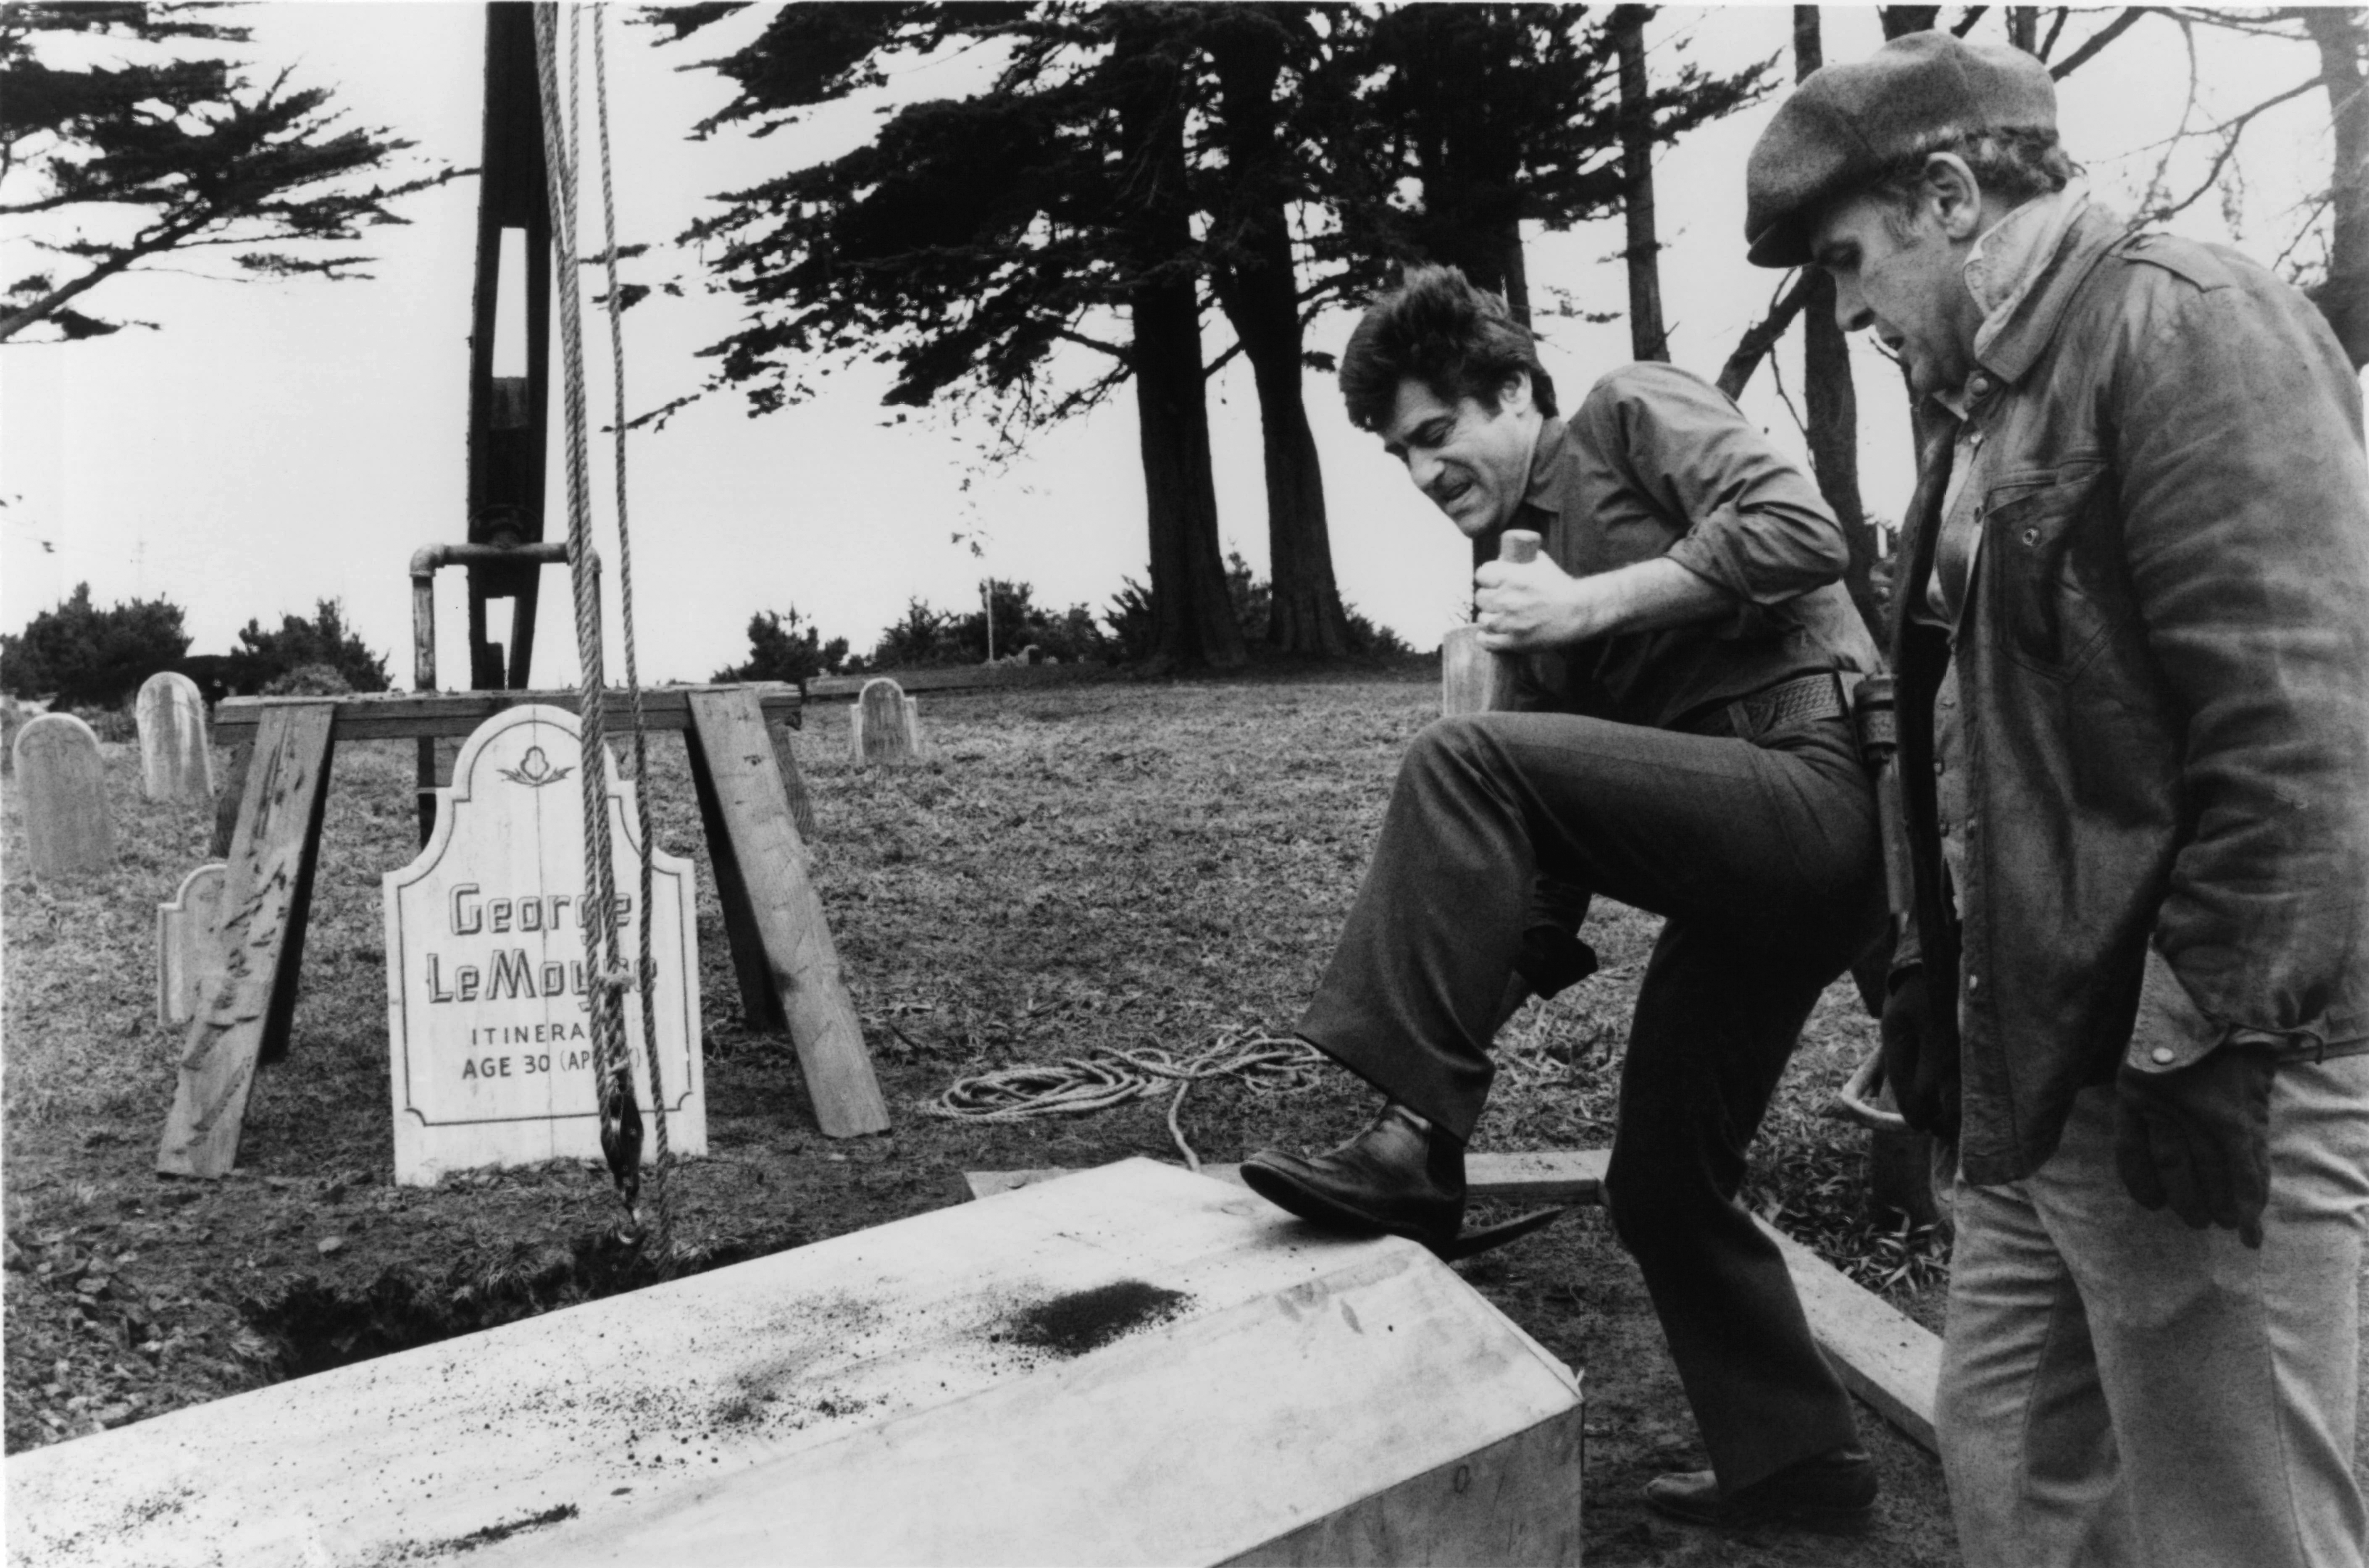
1763 857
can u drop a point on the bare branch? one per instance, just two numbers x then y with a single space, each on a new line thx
1755 343
2056 31
2235 131
2096 41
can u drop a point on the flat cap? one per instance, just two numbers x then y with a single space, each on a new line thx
1847 125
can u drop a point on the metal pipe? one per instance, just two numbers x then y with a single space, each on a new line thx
425 562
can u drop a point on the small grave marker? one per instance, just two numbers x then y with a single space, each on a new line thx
63 786
886 726
488 989
188 950
174 762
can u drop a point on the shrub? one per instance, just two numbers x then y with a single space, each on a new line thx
1070 635
1133 627
785 646
264 656
929 635
1254 598
309 681
1369 641
924 637
86 657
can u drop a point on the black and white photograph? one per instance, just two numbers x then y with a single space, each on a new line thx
1183 782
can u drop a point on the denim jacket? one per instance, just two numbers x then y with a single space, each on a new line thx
2162 658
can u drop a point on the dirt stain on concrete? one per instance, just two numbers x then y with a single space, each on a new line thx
1087 1320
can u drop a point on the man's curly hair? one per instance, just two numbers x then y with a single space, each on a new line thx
1456 339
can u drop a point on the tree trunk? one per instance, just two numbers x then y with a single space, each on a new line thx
1898 21
1830 412
1192 615
2343 298
1647 338
2024 28
1258 289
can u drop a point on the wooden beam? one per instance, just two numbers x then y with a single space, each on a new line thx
962 678
398 716
1544 1175
748 815
244 1018
1884 1356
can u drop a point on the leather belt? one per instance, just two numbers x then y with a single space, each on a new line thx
1799 701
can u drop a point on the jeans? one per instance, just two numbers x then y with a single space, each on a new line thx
1763 857
2118 1389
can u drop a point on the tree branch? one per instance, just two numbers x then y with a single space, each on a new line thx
2096 41
1755 343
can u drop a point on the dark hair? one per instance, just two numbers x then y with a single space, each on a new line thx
1458 340
2015 165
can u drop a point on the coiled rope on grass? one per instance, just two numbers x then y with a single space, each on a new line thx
1260 1062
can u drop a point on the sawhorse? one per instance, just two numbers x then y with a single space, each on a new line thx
751 803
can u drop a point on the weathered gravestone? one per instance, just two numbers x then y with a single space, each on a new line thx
174 762
189 955
487 979
64 787
886 727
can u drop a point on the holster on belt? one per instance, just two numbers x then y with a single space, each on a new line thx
1875 718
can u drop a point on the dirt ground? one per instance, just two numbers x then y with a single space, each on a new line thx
1112 863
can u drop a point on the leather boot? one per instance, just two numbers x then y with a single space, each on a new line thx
1833 1492
1402 1176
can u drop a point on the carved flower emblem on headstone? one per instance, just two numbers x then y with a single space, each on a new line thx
534 770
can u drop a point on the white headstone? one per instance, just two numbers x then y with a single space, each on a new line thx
174 762
64 787
886 727
189 958
488 983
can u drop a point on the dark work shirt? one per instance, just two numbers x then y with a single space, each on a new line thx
1657 462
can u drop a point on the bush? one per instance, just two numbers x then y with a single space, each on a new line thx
263 658
1369 641
924 637
1254 598
309 681
786 648
86 657
1133 629
928 636
1133 626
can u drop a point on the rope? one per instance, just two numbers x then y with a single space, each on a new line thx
620 1122
645 963
1265 1063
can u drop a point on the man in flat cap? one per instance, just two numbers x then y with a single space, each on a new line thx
2132 639
1683 745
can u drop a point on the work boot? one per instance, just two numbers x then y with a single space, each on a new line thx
1402 1176
1833 1492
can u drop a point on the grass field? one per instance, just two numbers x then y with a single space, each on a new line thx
1100 865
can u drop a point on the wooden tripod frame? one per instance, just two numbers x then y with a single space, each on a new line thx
750 801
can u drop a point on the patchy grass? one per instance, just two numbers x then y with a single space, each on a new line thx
1097 865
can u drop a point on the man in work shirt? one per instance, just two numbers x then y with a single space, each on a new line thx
1684 749
2133 662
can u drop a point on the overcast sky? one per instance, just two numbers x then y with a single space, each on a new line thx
274 445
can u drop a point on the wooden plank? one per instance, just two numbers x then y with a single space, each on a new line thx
1546 1175
232 797
890 1395
1884 1356
393 715
960 678
760 1005
734 761
246 1017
